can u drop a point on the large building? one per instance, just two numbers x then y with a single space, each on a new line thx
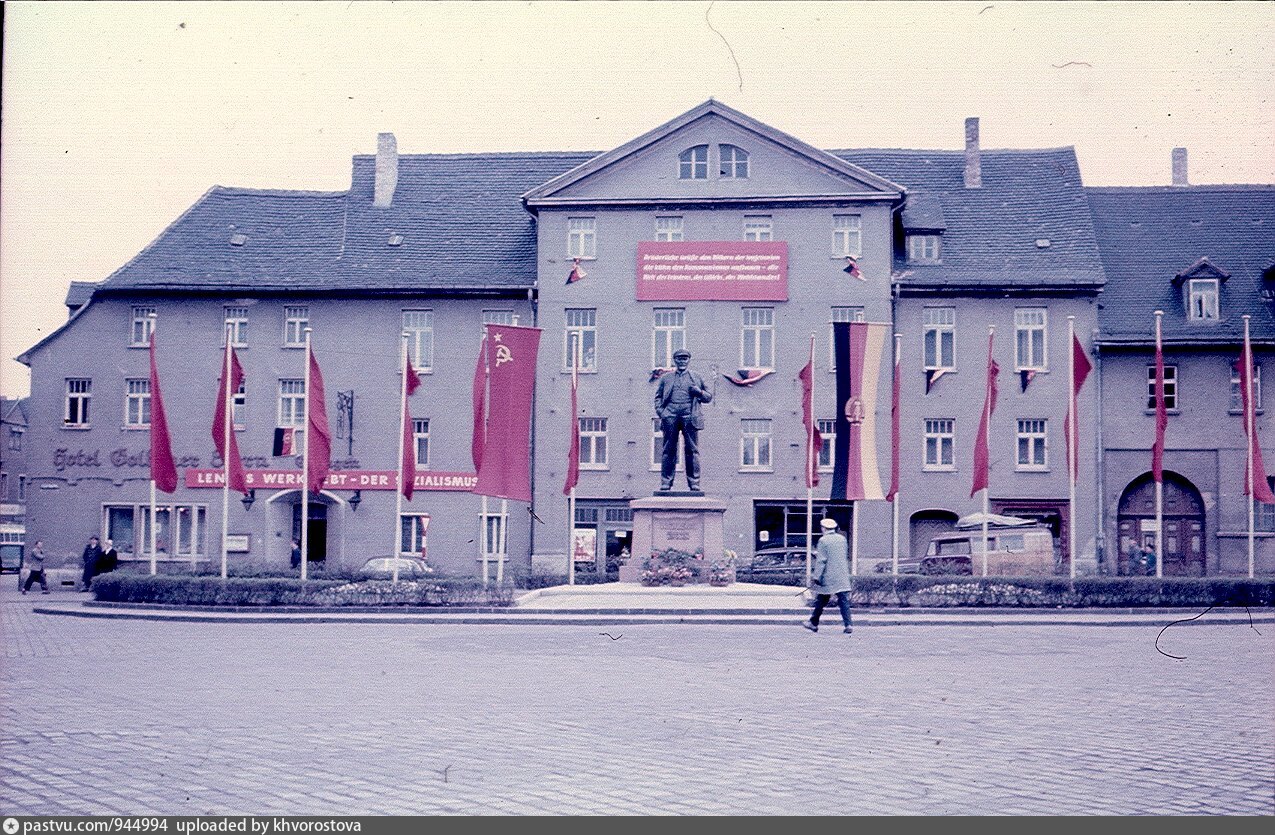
712 232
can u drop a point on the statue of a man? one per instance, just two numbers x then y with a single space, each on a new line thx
677 403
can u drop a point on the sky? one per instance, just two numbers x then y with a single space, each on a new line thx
116 117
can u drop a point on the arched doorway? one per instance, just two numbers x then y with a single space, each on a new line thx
927 524
324 531
1183 515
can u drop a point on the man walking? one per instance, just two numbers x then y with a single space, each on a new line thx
830 575
677 403
35 563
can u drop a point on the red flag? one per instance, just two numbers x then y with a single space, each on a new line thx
1081 366
894 433
225 402
989 406
573 453
480 405
163 469
1255 470
852 267
814 440
1161 413
407 468
505 471
318 438
577 272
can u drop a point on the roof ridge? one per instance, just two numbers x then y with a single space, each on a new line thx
958 152
1220 187
276 192
488 154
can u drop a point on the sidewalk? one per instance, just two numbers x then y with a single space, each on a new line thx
615 604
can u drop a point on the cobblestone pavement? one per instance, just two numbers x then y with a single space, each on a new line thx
132 717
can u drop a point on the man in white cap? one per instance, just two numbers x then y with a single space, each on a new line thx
830 575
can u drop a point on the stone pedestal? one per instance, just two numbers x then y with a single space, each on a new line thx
686 522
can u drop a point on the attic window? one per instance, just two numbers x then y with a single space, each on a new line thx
395 240
1202 299
923 249
238 239
734 162
693 163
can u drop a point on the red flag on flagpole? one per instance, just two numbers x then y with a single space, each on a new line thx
1255 470
814 439
318 439
505 471
225 402
989 406
573 453
407 467
480 405
1081 366
1161 413
163 468
894 433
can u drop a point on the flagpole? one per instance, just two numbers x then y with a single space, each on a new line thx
1250 427
1159 485
571 499
225 464
810 465
305 466
154 566
402 430
898 341
1073 462
854 538
482 526
987 441
504 515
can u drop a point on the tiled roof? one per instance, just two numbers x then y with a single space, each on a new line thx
992 232
923 213
1149 235
79 293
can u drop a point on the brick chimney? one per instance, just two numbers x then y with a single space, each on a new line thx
386 170
973 166
1179 167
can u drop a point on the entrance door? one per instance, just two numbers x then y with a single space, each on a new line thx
316 531
1183 515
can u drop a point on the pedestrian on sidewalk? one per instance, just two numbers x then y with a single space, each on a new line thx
35 563
91 556
830 576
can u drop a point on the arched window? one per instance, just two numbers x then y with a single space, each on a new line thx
734 163
693 163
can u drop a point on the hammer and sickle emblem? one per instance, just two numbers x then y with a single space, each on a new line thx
854 410
503 355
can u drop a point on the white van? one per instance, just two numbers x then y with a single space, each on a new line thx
1018 551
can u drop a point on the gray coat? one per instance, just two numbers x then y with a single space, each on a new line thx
664 390
831 572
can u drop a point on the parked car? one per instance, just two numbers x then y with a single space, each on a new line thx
775 566
12 548
382 568
1013 551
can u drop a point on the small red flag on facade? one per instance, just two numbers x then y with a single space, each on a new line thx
318 439
981 464
230 370
163 468
577 272
852 268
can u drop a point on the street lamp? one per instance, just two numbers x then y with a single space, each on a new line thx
249 498
355 499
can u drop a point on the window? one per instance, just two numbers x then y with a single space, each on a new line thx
840 314
239 407
668 229
940 337
420 433
22 488
412 530
581 329
137 404
734 162
295 320
657 448
15 439
139 334
754 444
1264 519
1170 387
757 228
828 431
757 348
692 164
1237 403
582 240
669 335
292 403
923 249
847 235
236 326
419 327
593 443
493 526
940 436
1202 302
179 529
78 393
498 317
1032 444
1029 337
4 487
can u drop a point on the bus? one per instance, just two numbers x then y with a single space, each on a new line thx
13 540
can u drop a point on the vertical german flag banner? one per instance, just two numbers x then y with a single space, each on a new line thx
859 347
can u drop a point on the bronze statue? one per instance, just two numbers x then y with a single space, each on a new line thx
677 403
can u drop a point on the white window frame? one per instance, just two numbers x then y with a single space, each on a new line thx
692 164
756 448
757 338
828 431
79 393
1030 322
840 313
15 438
420 441
1203 304
22 487
669 228
296 318
292 404
1237 400
498 317
941 323
235 323
759 228
418 324
733 162
593 443
492 523
137 403
847 236
191 529
1170 387
582 238
141 327
1032 443
668 334
925 249
412 533
239 407
938 443
580 323
657 449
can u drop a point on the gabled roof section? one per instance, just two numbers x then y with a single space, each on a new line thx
1202 268
79 293
1146 234
923 213
545 192
13 411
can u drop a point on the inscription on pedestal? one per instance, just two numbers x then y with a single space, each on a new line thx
682 531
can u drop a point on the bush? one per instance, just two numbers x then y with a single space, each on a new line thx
1059 592
191 590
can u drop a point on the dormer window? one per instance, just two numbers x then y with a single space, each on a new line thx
734 163
923 249
1202 299
693 163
